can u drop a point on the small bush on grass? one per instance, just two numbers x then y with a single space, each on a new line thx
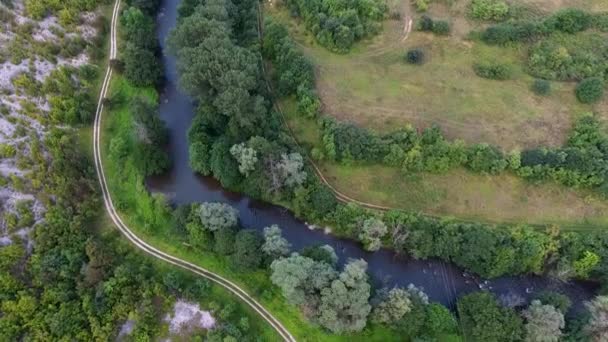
492 71
415 56
590 90
495 10
541 87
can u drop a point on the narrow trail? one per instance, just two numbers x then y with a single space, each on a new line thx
132 237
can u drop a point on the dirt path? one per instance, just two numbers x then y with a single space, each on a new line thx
132 237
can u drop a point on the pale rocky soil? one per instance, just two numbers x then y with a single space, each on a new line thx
188 316
11 111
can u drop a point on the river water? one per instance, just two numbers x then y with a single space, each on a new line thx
442 281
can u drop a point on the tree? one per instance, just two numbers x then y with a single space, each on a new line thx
275 245
291 169
544 323
217 216
541 87
393 306
483 319
371 234
345 303
590 90
224 241
247 254
245 156
301 280
597 327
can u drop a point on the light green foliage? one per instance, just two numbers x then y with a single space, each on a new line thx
344 304
544 323
422 5
301 279
597 326
217 216
372 232
495 10
291 169
275 245
245 156
586 264
393 306
7 151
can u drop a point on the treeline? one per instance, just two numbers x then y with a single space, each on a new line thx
567 21
343 300
336 24
582 162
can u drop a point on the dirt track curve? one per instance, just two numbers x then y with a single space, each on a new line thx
134 239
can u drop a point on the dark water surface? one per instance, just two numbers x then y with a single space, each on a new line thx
443 282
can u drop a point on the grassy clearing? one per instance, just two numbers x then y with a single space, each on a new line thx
459 193
374 87
148 216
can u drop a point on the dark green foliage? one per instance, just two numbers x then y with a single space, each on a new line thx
439 27
224 241
492 71
140 53
247 250
483 319
415 56
590 90
569 20
337 25
149 7
541 87
498 252
320 253
150 135
558 300
223 167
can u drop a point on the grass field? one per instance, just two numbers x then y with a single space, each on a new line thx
374 87
458 193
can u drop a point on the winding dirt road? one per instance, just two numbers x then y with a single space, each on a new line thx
134 239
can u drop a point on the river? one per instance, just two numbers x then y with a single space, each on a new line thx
442 281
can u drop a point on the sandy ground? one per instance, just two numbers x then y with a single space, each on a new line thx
187 316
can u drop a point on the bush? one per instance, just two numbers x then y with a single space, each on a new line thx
492 71
441 27
590 90
415 56
425 24
570 20
541 87
489 9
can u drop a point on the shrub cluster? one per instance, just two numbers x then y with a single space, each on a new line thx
439 27
590 90
337 25
541 87
495 10
492 71
569 20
